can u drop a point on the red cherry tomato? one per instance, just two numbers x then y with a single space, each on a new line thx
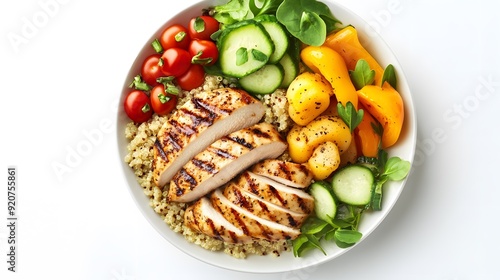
150 70
204 52
175 36
175 62
193 78
202 27
162 103
138 106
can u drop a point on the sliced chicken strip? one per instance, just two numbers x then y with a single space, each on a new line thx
251 224
224 159
202 217
197 124
262 208
288 173
294 199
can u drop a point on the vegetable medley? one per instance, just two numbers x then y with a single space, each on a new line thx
345 105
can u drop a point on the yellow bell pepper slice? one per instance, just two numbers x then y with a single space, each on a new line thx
331 65
367 139
346 43
386 105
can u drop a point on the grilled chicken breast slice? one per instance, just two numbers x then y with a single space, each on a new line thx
288 173
262 208
202 217
249 223
198 123
224 159
296 200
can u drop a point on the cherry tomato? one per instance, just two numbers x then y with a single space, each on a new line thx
162 103
204 52
202 27
175 36
150 70
193 78
138 106
175 62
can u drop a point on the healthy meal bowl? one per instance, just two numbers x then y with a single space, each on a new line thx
265 138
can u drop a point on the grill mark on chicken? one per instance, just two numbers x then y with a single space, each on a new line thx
291 220
183 176
207 118
276 194
160 150
223 153
240 222
204 165
241 200
254 188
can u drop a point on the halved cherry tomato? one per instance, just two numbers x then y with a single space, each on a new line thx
193 78
163 103
151 70
175 36
175 62
202 27
204 52
137 105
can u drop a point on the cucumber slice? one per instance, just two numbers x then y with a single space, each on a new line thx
277 34
244 48
325 206
290 68
264 81
354 185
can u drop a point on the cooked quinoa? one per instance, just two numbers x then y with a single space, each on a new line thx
140 158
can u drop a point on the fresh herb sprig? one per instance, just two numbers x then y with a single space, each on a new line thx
362 74
349 115
342 231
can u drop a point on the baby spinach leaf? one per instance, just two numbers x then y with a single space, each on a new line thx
362 74
304 19
259 7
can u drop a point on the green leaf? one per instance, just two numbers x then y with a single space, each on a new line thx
362 75
259 7
349 115
390 76
313 225
233 11
199 25
305 242
396 169
241 56
298 245
258 55
348 236
302 18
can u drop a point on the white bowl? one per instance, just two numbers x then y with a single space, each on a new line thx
405 149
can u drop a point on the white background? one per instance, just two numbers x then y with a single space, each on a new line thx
61 83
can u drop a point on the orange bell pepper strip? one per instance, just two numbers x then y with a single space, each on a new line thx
331 65
346 43
367 139
386 106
